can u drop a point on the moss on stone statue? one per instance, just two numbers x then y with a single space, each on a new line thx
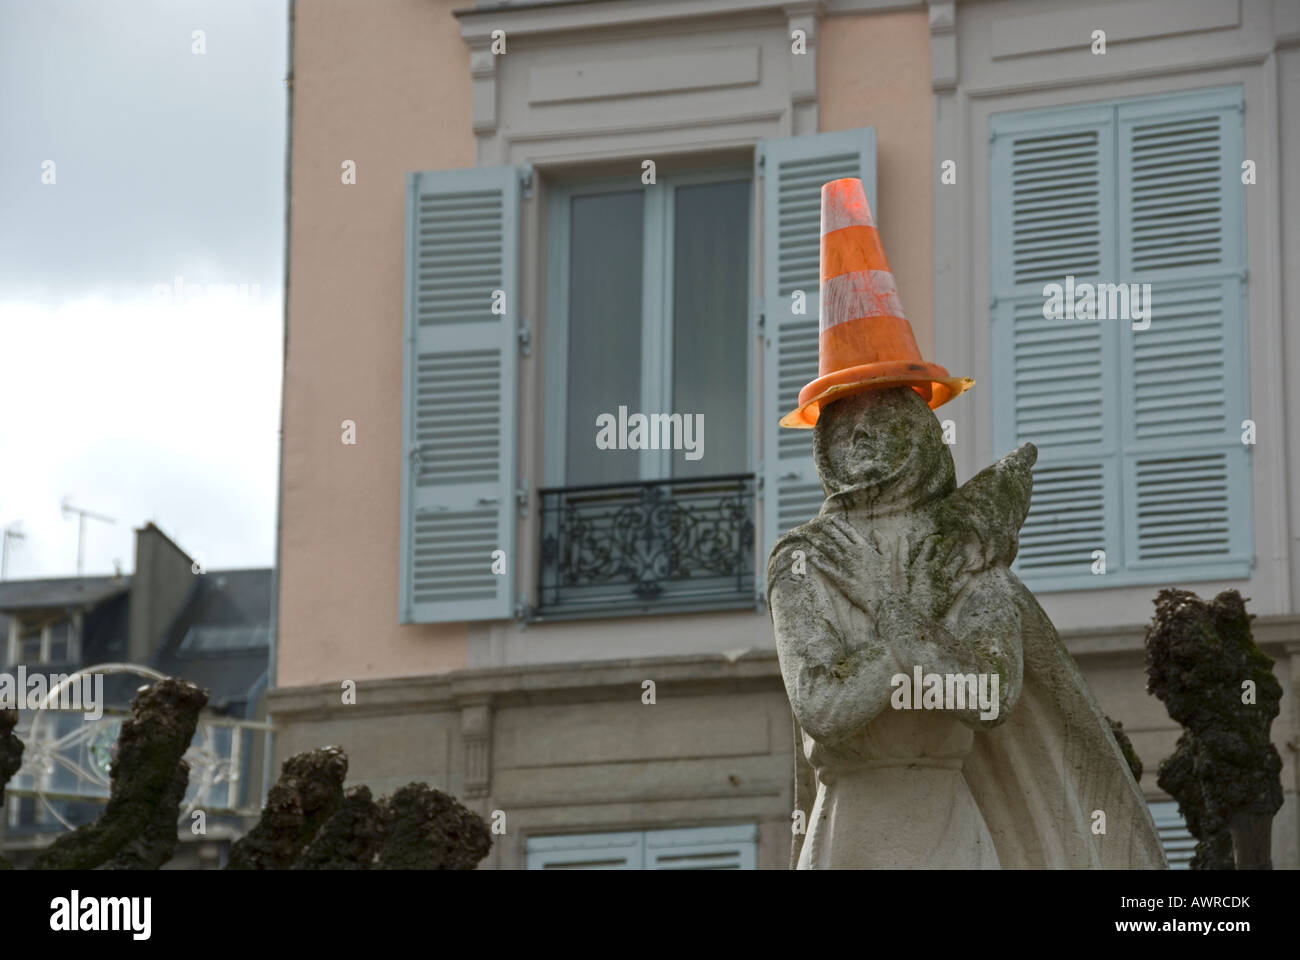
1225 773
1126 747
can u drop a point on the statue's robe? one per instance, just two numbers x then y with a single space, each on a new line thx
922 788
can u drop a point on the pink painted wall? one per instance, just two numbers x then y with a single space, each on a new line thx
874 71
384 83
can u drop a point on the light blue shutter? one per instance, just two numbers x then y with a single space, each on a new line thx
702 848
1053 381
691 848
593 851
1178 843
1139 431
459 394
793 171
1186 377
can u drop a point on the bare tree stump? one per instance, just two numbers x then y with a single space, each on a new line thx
139 823
308 793
11 758
432 831
1225 772
351 839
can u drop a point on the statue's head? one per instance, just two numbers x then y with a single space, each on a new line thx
882 448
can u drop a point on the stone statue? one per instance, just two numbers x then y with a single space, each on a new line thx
939 720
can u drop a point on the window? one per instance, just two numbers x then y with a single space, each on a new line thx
210 640
649 317
1119 337
650 293
23 812
698 848
60 642
659 299
29 642
50 638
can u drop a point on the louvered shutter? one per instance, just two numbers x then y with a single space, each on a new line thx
1139 431
459 394
1186 472
691 848
595 851
793 171
1053 381
702 848
1178 843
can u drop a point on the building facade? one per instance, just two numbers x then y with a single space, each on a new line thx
516 227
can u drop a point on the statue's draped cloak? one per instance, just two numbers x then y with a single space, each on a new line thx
1049 771
1034 788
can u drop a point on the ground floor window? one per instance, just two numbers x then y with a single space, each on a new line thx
693 848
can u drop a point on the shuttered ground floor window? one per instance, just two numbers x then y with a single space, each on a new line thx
693 848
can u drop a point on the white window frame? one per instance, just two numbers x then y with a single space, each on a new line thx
47 638
645 849
656 302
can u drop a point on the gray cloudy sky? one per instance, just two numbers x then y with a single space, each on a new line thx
137 394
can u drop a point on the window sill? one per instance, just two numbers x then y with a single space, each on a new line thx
1141 575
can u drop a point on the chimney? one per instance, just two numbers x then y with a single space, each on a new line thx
159 587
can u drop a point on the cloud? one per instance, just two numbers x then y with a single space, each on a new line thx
148 409
140 395
162 157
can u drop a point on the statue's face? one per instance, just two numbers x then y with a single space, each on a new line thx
885 441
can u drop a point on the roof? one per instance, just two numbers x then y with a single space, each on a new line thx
60 592
221 640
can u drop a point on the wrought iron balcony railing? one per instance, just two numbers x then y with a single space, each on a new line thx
655 546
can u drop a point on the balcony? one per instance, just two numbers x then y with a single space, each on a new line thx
656 546
66 766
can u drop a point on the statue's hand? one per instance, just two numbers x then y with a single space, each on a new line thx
918 639
912 632
935 574
847 559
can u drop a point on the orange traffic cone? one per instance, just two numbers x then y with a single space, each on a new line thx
866 342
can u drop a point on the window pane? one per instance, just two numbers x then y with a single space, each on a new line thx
605 257
29 644
710 328
60 633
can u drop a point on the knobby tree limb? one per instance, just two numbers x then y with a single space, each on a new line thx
11 758
308 793
137 830
1225 773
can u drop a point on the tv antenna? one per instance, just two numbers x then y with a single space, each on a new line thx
11 535
81 527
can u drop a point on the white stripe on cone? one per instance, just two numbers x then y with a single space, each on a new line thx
836 216
863 293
